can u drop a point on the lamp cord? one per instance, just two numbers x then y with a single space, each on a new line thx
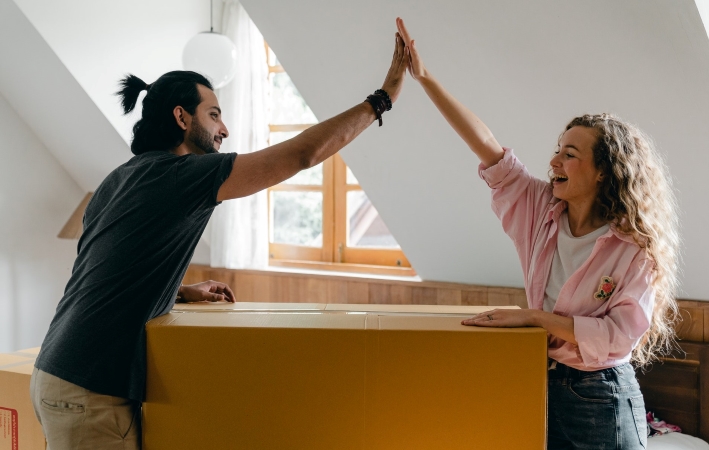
211 14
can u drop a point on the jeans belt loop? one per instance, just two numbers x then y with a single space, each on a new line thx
552 365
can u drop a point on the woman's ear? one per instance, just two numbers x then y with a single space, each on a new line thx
179 113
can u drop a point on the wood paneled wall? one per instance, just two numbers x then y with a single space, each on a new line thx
676 389
694 325
274 286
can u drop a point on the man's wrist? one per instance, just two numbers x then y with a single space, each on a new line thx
380 102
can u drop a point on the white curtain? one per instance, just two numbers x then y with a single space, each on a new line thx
239 228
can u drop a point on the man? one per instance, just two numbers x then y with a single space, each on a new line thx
140 230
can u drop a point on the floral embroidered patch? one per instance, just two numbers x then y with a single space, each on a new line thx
605 289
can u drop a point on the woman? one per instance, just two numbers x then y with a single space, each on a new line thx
598 246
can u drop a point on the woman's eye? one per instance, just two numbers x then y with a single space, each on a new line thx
569 155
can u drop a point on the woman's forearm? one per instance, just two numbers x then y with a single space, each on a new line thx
559 326
468 126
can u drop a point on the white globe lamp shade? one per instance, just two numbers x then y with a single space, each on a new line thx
213 55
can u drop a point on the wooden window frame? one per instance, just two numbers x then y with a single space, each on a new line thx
335 253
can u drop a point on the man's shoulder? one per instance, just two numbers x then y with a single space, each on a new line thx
138 166
152 156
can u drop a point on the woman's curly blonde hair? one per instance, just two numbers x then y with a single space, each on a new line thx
636 196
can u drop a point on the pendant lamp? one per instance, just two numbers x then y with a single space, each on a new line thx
212 55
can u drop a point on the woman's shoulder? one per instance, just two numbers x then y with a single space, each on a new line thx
632 245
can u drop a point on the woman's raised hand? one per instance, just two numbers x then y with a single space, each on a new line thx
468 126
416 67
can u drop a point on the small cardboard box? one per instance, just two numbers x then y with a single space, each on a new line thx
341 378
19 428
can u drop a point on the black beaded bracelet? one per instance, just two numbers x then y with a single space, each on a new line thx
384 94
380 102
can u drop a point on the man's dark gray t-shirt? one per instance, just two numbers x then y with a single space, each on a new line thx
140 230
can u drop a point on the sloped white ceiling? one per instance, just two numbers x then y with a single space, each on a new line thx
100 41
48 98
527 68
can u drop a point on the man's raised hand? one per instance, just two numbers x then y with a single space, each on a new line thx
395 77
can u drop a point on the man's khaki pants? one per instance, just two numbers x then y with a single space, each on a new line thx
74 418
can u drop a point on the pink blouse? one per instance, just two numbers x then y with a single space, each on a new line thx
609 297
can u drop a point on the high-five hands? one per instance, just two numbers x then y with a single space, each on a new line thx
415 64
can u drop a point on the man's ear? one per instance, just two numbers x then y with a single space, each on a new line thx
180 117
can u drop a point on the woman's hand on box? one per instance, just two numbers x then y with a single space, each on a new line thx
206 291
555 324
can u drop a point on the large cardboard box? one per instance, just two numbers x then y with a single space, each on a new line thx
341 307
19 428
341 378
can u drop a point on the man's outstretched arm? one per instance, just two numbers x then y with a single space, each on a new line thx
253 172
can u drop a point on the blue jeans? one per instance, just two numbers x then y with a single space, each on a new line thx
603 409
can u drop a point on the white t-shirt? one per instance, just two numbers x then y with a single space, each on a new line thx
571 252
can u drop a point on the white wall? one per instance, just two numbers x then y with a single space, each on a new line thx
100 41
37 196
51 101
526 68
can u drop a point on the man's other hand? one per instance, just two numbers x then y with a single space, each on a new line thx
206 291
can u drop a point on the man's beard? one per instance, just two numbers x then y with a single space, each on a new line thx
201 138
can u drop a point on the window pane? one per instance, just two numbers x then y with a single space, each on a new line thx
350 177
272 58
310 176
297 218
277 137
365 228
287 106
